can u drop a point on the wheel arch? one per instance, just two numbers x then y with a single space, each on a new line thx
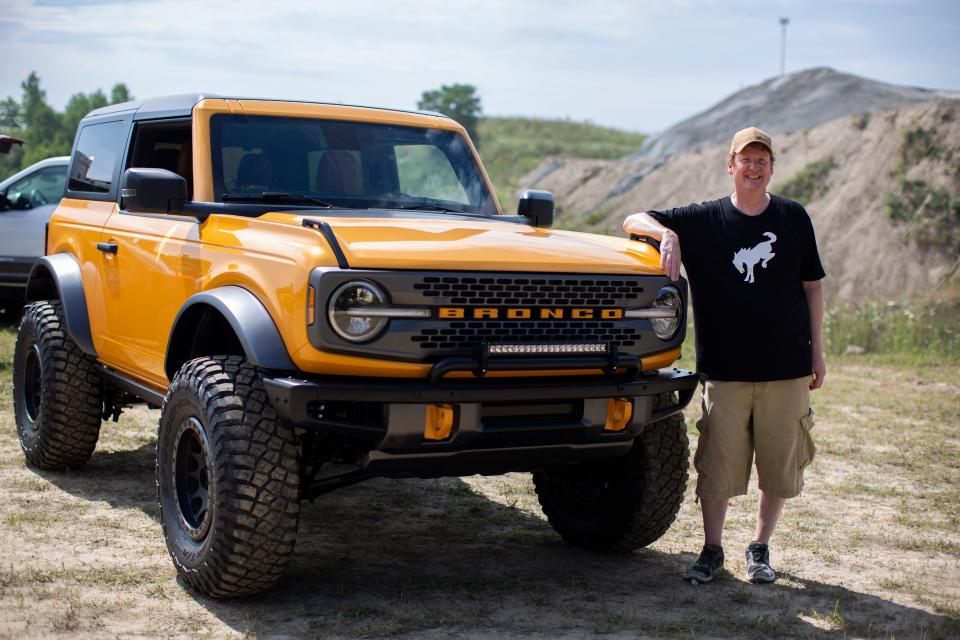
229 320
58 277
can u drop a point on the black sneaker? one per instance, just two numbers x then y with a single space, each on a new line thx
758 564
706 566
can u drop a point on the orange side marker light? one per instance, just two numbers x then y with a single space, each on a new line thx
439 422
619 413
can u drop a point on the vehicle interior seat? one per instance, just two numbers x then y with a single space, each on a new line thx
339 173
166 158
255 172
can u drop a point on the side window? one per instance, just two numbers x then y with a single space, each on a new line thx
424 171
164 146
41 187
95 159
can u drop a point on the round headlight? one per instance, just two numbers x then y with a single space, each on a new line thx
667 298
345 311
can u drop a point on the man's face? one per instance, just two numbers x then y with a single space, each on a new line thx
751 169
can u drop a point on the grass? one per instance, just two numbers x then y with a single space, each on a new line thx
810 182
928 329
833 620
915 334
512 147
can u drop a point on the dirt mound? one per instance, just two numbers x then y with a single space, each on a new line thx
788 103
865 254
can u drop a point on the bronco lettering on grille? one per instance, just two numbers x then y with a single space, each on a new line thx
527 313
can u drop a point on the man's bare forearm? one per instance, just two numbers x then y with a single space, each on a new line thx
814 292
643 224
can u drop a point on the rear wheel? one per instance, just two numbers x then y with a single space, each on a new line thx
227 479
57 395
622 504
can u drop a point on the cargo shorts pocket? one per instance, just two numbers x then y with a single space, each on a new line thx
701 445
806 448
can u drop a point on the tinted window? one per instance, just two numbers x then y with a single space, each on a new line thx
165 145
96 156
348 164
40 187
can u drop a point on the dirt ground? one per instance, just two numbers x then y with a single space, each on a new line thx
871 549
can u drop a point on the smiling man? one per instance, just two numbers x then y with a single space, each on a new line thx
755 274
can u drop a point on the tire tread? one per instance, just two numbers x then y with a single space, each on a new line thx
256 462
71 404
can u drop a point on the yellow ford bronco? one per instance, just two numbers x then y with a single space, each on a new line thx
318 294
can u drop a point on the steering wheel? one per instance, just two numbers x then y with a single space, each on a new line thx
36 198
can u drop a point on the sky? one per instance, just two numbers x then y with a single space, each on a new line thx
640 65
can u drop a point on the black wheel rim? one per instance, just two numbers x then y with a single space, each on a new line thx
191 480
32 384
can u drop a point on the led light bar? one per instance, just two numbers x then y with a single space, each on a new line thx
651 312
382 312
525 349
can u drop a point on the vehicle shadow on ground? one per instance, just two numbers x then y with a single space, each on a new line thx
10 313
427 558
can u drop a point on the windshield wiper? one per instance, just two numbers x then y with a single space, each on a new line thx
276 196
428 207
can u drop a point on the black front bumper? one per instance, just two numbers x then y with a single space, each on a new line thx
501 425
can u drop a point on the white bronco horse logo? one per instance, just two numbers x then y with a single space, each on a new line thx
747 258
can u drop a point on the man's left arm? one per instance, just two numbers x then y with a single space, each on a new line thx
813 289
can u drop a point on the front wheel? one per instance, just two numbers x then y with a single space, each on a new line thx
622 504
228 479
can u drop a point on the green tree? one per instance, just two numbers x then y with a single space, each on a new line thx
120 93
9 114
79 105
458 101
41 124
47 133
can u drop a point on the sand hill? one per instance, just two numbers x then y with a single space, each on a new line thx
857 161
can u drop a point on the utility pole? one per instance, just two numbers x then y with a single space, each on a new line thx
783 45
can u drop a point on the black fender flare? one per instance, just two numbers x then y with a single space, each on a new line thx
251 322
58 276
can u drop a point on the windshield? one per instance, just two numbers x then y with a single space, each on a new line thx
346 164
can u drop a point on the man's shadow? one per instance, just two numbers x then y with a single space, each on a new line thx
435 557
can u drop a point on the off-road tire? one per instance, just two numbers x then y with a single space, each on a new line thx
57 395
238 538
622 504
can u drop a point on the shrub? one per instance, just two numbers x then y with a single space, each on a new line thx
810 182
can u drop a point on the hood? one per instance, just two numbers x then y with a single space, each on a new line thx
458 243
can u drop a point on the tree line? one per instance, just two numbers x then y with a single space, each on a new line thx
47 132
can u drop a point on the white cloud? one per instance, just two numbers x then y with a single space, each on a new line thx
641 65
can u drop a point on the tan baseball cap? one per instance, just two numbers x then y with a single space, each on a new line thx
751 134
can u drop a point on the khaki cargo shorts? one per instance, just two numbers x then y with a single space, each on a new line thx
773 419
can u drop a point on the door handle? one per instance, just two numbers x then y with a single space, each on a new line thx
107 247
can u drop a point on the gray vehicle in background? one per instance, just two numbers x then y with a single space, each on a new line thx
27 200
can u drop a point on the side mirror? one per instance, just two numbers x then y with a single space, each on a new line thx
538 206
152 191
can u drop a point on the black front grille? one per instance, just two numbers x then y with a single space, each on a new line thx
460 335
563 308
556 292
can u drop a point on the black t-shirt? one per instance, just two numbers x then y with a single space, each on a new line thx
746 278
